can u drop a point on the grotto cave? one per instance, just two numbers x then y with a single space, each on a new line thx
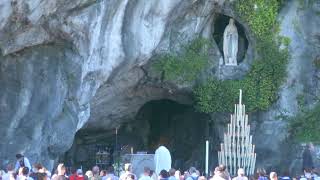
71 73
177 126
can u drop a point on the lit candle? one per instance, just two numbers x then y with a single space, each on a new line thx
131 150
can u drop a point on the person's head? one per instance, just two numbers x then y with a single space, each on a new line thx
110 170
241 172
172 172
103 173
79 172
217 170
9 167
146 171
222 167
36 167
177 174
130 177
163 174
261 172
61 169
198 172
25 171
20 171
202 178
95 170
2 172
42 176
128 167
286 173
308 173
273 176
73 170
19 156
192 170
89 174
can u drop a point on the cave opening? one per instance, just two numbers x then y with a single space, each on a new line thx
179 127
220 23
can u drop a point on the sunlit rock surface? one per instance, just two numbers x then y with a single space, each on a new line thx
67 65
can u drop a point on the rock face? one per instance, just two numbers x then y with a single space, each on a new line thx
56 54
67 65
301 87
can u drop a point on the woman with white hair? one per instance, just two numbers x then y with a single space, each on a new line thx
241 175
273 176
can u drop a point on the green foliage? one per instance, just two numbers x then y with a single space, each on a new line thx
261 15
305 126
185 66
261 84
316 62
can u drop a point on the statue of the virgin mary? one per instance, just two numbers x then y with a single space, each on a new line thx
230 44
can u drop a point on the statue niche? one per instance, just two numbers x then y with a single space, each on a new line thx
230 44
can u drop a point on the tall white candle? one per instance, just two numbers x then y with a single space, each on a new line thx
207 158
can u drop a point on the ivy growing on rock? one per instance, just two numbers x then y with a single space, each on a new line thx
261 84
305 126
184 66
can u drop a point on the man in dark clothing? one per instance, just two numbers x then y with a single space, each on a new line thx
307 162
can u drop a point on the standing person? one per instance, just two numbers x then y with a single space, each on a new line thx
224 172
22 162
177 175
73 175
25 174
88 175
153 175
163 175
241 175
172 173
307 175
35 170
61 171
110 174
95 172
10 173
103 173
262 175
79 174
128 170
2 173
146 174
307 162
273 176
218 174
193 174
129 177
285 176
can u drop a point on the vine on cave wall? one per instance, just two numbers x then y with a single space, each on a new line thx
261 84
305 126
184 66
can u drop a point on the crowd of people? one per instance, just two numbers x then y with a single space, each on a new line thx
24 171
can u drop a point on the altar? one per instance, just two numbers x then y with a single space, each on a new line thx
139 161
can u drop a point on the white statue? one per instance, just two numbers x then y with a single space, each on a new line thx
162 159
230 44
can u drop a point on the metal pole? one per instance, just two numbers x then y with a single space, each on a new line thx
117 155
